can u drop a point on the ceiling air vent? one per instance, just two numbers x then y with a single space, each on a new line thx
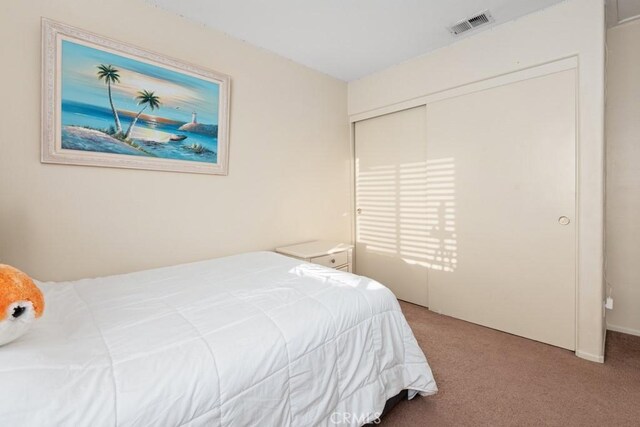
471 23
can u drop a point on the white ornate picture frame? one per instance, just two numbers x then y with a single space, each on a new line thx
107 103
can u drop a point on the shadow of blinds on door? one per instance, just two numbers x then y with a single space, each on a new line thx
394 221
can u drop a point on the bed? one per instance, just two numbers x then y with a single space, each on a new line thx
251 339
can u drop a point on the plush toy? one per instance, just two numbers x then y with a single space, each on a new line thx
21 302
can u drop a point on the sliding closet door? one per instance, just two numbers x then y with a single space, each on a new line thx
391 215
503 163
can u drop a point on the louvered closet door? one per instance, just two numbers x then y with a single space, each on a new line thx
391 207
503 163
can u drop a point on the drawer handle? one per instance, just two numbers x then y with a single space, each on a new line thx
333 260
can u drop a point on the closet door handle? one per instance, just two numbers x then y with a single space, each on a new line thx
564 220
358 211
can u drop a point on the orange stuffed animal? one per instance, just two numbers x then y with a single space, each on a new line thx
21 302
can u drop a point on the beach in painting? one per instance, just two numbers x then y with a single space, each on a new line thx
114 104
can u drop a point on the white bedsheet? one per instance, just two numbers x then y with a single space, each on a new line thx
253 339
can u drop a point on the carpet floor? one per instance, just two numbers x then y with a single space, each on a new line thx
491 378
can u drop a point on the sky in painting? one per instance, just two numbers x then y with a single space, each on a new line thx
180 94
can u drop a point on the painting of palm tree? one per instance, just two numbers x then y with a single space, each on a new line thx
110 75
186 128
112 104
149 100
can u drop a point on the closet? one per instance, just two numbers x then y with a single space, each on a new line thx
466 205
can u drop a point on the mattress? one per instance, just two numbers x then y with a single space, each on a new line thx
257 338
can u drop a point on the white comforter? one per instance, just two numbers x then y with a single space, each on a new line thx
253 339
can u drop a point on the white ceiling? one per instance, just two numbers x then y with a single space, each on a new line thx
347 39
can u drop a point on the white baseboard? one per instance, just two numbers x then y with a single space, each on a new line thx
623 329
590 357
600 359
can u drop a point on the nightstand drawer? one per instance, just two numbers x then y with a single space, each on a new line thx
331 260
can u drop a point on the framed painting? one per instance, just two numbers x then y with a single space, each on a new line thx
107 103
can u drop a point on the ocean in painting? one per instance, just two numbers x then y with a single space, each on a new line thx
160 112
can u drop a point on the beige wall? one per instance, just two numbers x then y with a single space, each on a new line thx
288 166
571 28
623 176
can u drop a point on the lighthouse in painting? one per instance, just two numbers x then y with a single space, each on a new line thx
194 126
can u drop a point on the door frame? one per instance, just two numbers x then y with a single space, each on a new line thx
563 64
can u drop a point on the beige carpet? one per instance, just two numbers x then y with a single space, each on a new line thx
490 378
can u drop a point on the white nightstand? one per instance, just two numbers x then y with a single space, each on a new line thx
330 254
